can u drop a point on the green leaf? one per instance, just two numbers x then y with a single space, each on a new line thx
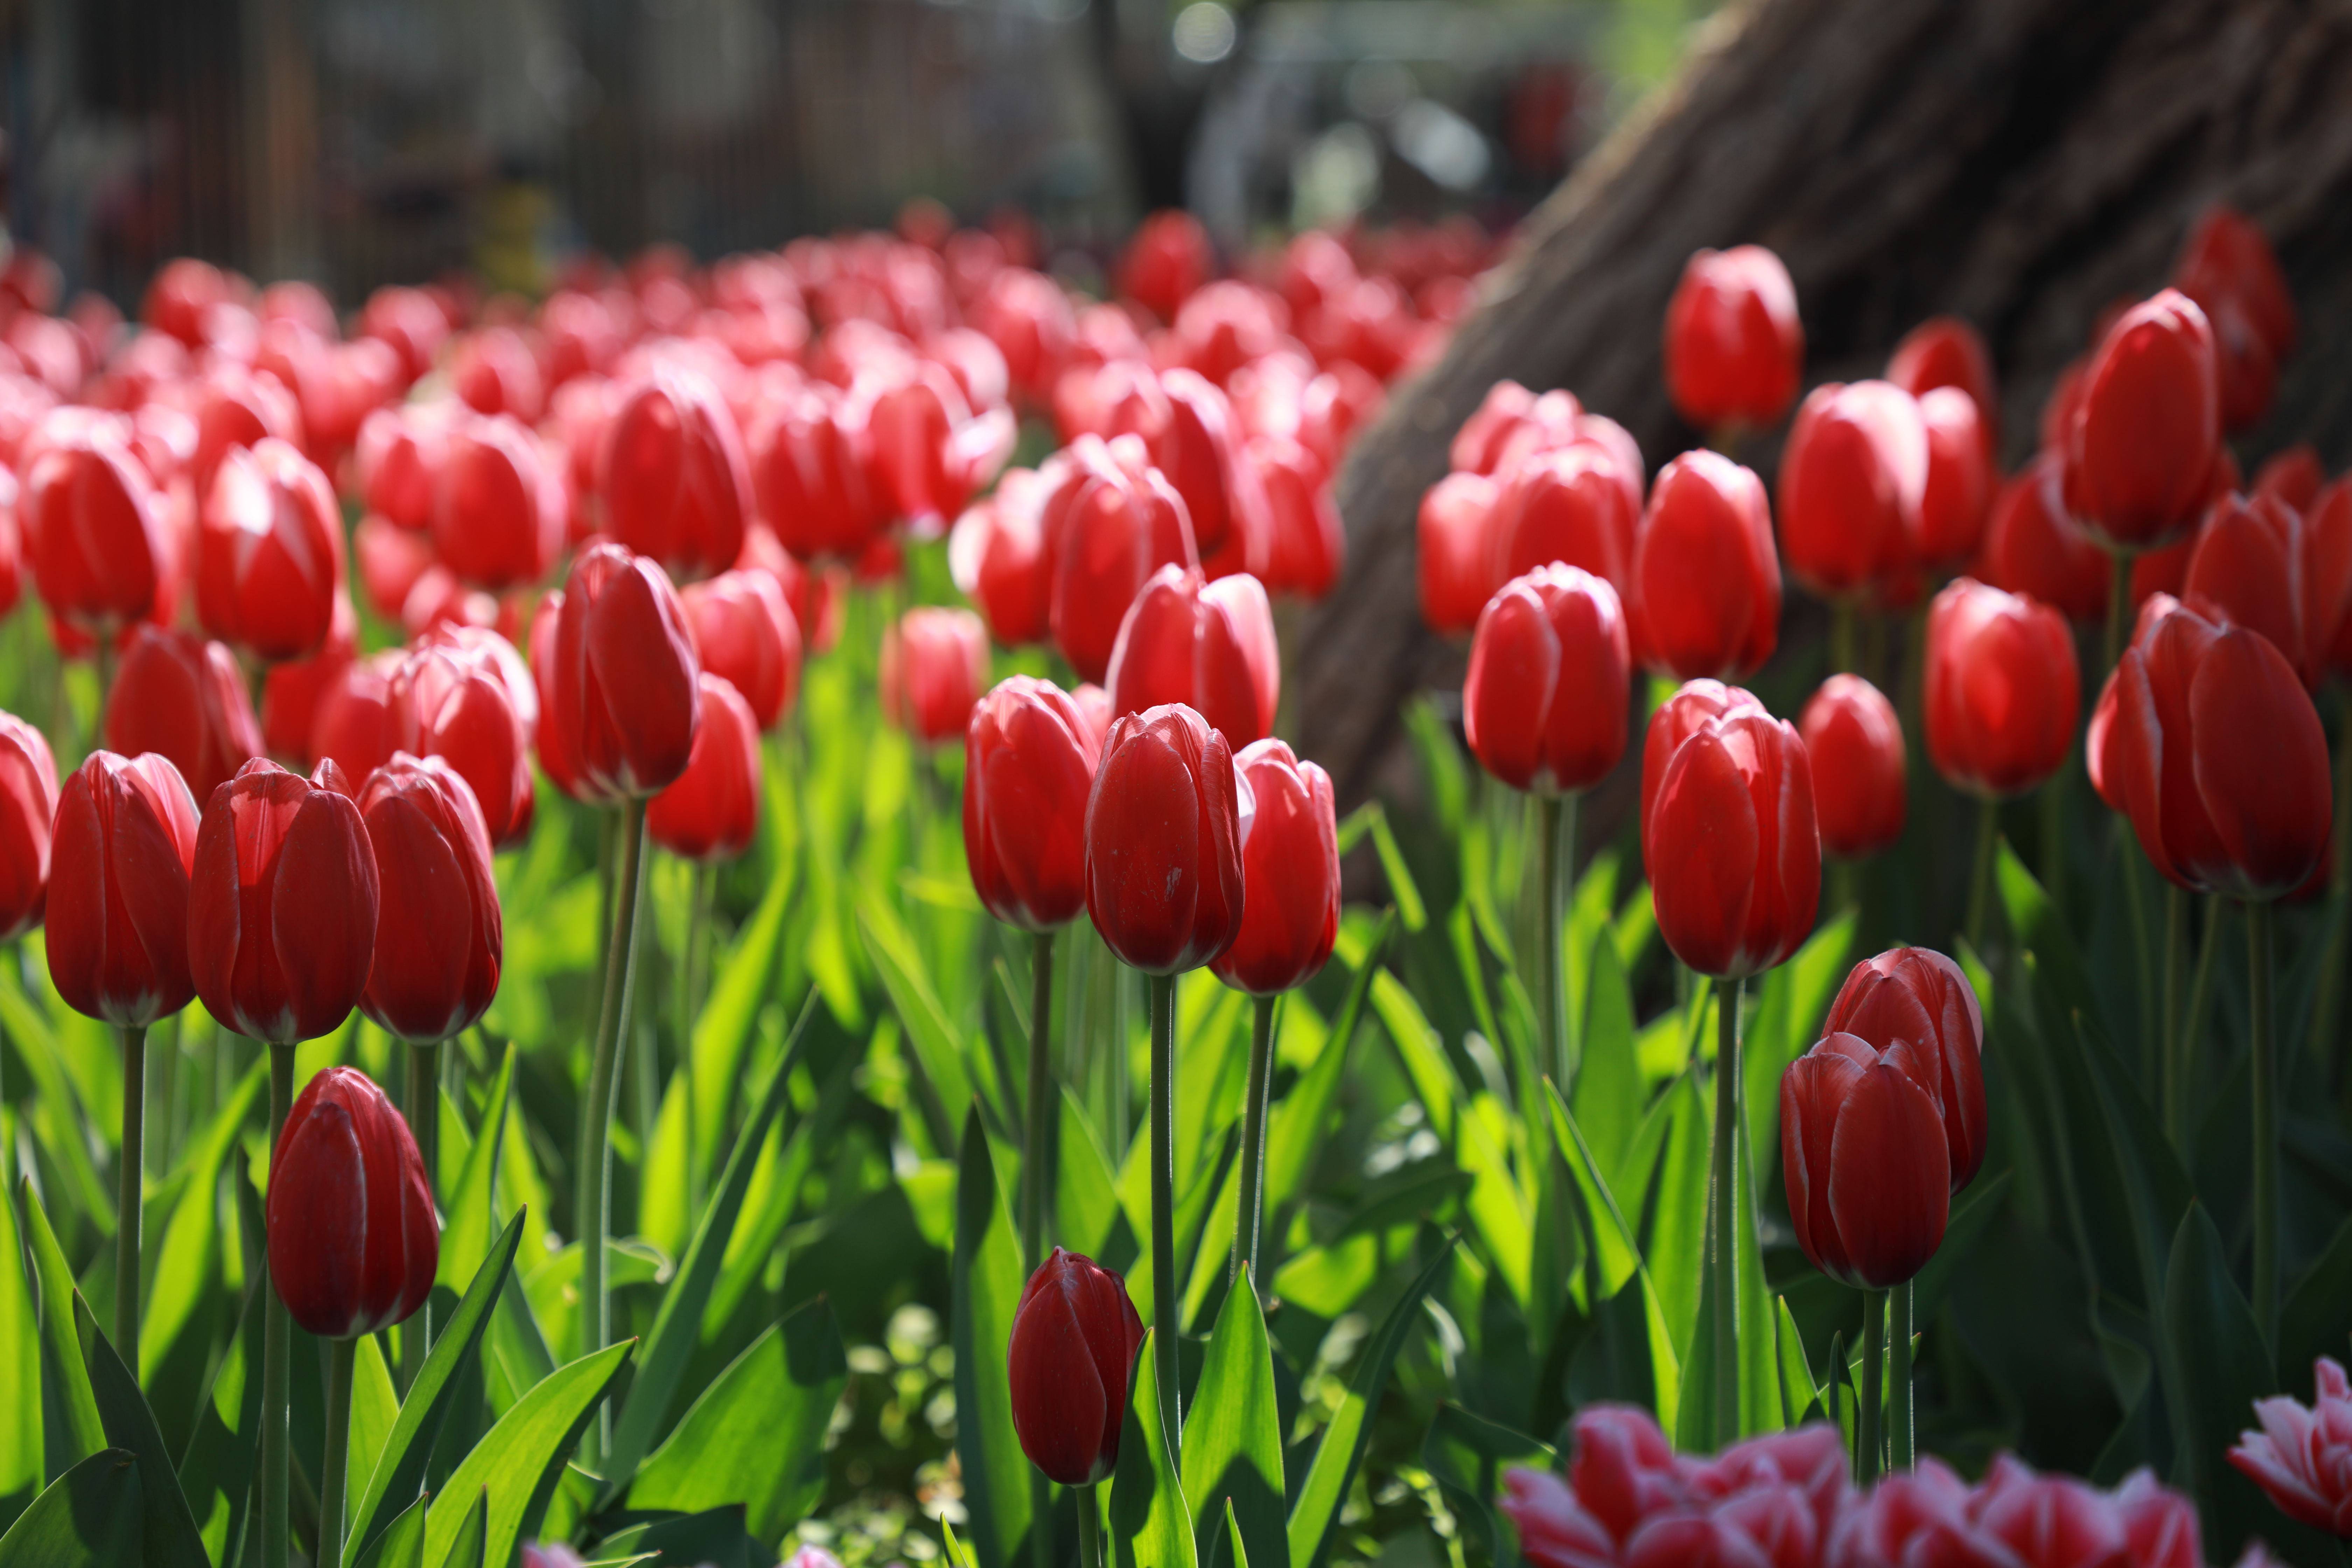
1233 1538
469 1542
716 1536
1233 1442
402 1545
1792 1003
1149 1525
1617 1256
466 1238
87 1518
1295 1131
375 1409
168 1536
20 1356
2312 1323
183 1276
986 1280
1608 1093
1468 1454
216 1472
1418 1049
1401 888
1799 1391
944 1090
1086 1199
1971 1216
517 1463
1315 1507
399 1475
70 1428
53 1097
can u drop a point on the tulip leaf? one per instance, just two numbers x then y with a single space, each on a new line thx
167 1530
518 1462
466 1238
1467 1456
182 1274
677 1327
88 1517
468 1545
986 1278
774 1191
1232 1446
1617 1256
20 1362
1150 1527
1233 1538
1799 1392
1316 1500
944 1091
402 1545
1417 1048
216 1471
1792 1003
375 1407
399 1475
53 1099
2312 1323
1971 1216
1607 1094
1296 1127
70 1428
1085 1200
756 1436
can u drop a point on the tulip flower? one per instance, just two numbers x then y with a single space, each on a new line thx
1571 504
1111 520
1201 452
1027 316
353 1244
2146 430
2228 267
1308 546
2294 476
676 483
237 406
934 664
183 697
930 451
1544 702
1944 351
745 634
620 687
29 809
1210 646
1854 743
102 553
2034 549
355 723
1704 597
810 449
1069 1362
2001 690
2301 1454
269 553
498 519
494 371
409 320
712 810
1961 479
463 695
996 553
1456 565
2259 565
1734 346
1853 476
1921 996
1168 258
399 459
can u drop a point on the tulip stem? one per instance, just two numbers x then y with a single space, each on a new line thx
1556 859
1723 1214
1899 1440
277 1351
335 1463
1252 1193
2119 613
2170 1043
1868 1455
598 1109
129 1192
424 1097
1841 637
1161 996
2324 1008
1090 1548
2192 1027
1037 1109
2262 1035
1980 877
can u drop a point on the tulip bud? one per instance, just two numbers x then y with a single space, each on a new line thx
934 665
1029 763
2034 548
1544 703
1958 494
180 695
2258 564
463 695
1201 453
1111 520
1915 994
409 320
1308 546
123 848
996 553
103 550
28 810
1944 351
498 519
711 812
809 454
1166 823
399 462
1208 645
1852 481
1290 874
1704 597
494 371
2227 266
282 903
745 634
439 937
236 406
1734 346
1075 1338
1863 1151
2001 688
2294 476
293 690
1570 504
2145 432
269 553
1027 316
1854 743
1728 832
354 1243
1168 258
676 483
355 724
1456 567
619 691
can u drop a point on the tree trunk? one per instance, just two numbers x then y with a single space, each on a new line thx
2020 162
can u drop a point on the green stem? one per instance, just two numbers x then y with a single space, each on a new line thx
1899 1440
1161 994
277 1354
1841 637
2052 803
1090 1548
1041 1519
598 1109
697 984
1980 875
2324 1008
2168 1046
1868 1454
335 1463
2119 613
1722 1214
2262 1035
1037 1106
128 1194
2192 1023
2136 869
424 1097
1252 1193
1554 814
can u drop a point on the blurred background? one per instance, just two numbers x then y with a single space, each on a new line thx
359 143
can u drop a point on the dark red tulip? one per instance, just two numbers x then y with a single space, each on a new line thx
1960 480
355 723
619 690
1544 702
711 812
28 810
180 695
1167 260
1734 346
1727 831
2001 688
1863 1151
2145 432
353 1242
1705 599
1166 821
1290 873
103 550
1456 565
123 848
282 903
464 697
810 452
2218 754
2294 476
1210 646
269 553
1944 351
745 634
1029 762
1307 547
996 553
439 938
2302 1455
934 666
2036 548
1075 1336
498 519
1111 520
1852 479
2227 266
2258 564
392 561
1915 994
676 483
1854 743
1572 504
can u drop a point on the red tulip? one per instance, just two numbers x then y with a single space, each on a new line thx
1207 645
1111 520
810 450
498 519
619 687
1572 503
1544 703
1029 762
356 724
1961 479
269 553
1166 821
930 451
713 809
996 553
237 406
1854 743
494 371
2229 269
282 903
2217 752
1290 874
2034 548
1225 325
180 695
2302 1457
2001 689
1727 831
439 938
1201 451
353 1244
1944 351
1852 479
1914 994
677 486
1705 598
28 810
2146 431
1456 567
2258 564
1863 1150
399 462
179 296
409 320
1308 546
1167 260
464 698
2294 476
934 665
745 634
293 690
1508 422
124 846
1075 1337
1027 316
102 550
1734 346
392 561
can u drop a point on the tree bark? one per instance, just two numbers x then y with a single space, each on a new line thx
2020 162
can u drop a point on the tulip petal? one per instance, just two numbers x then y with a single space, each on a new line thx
1890 1179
